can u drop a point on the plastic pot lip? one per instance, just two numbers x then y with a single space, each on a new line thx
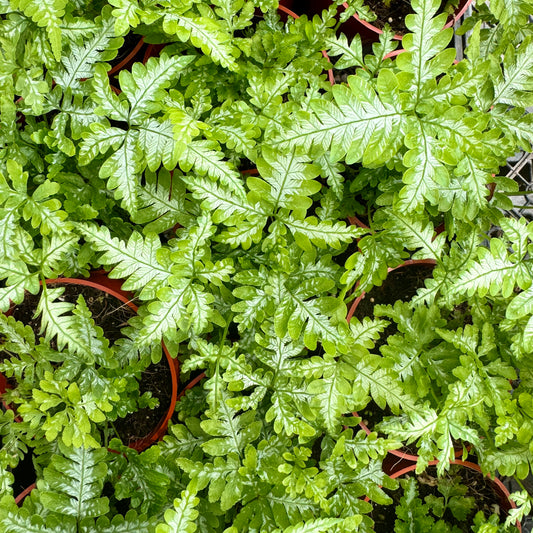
100 280
20 498
398 453
452 19
473 466
405 263
128 58
191 384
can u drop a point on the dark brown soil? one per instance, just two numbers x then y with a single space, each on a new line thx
157 380
24 474
111 315
108 312
393 15
480 488
400 284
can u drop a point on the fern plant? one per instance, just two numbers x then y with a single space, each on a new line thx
214 180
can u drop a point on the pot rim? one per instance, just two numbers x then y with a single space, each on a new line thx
452 19
128 58
408 262
100 280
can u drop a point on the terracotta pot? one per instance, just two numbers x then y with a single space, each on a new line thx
502 493
370 33
100 280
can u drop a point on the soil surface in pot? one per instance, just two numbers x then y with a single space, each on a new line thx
157 380
393 15
400 284
111 315
108 312
486 498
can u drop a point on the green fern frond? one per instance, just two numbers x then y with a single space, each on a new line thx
358 125
73 483
78 64
207 159
181 519
45 13
205 33
145 85
136 261
162 201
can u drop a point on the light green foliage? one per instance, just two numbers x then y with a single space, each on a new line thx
46 14
214 179
182 517
149 142
73 483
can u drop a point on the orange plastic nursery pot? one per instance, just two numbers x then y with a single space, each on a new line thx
501 493
100 281
370 33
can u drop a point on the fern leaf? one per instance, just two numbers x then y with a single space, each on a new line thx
517 82
55 252
78 64
331 393
425 172
46 13
125 14
428 38
123 169
415 233
144 85
182 518
492 273
163 202
157 142
206 158
108 102
223 202
74 482
511 13
322 234
18 279
19 523
204 33
291 179
136 261
357 124
57 320
167 314
351 53
382 384
99 140
317 525
130 523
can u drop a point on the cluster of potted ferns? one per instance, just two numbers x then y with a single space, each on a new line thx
254 272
